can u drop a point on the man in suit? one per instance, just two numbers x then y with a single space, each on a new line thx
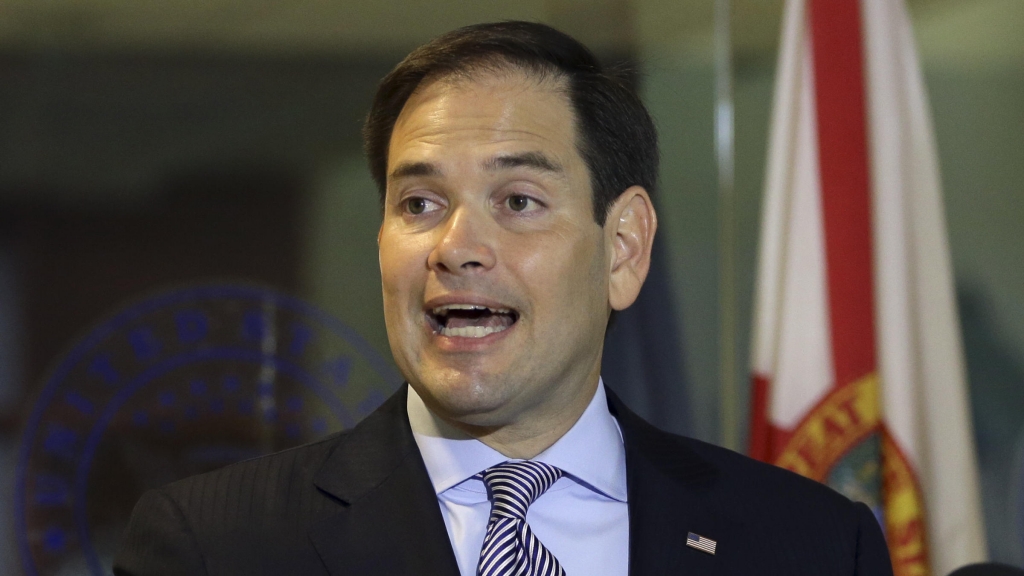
515 176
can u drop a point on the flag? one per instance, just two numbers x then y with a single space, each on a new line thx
858 370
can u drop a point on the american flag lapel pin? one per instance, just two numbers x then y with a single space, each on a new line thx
701 543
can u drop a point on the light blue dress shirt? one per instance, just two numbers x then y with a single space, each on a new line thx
582 519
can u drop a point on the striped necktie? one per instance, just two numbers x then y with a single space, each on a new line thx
510 547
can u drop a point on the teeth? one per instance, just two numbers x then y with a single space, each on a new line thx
472 331
443 310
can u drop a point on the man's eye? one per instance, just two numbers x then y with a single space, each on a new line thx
518 203
417 206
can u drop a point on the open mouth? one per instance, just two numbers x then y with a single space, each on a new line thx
470 320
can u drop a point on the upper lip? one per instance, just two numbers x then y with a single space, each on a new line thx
467 299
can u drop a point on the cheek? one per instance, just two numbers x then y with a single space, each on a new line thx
565 273
402 266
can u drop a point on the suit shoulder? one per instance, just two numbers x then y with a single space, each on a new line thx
766 498
249 517
720 473
759 484
257 484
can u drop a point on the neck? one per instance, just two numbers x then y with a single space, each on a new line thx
525 440
532 432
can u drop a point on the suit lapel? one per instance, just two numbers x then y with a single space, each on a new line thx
390 522
669 488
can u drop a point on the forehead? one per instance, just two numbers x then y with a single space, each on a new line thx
484 113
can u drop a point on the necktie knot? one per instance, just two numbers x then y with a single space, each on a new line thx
510 546
515 485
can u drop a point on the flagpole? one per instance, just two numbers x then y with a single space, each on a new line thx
725 159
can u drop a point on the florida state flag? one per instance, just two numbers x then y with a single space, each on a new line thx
858 368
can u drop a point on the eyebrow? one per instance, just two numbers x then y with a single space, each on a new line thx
410 169
534 160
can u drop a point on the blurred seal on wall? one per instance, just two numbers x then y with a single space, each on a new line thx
176 384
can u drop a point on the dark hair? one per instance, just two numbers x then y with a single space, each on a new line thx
615 134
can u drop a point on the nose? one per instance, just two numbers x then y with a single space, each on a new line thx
464 246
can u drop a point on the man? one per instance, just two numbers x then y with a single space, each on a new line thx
515 177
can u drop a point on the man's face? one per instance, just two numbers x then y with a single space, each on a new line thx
495 273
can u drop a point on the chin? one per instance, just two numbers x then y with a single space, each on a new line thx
468 398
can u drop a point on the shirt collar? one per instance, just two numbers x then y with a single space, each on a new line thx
591 451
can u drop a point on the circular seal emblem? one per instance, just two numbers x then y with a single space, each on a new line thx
843 443
175 385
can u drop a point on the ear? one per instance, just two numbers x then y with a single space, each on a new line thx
629 230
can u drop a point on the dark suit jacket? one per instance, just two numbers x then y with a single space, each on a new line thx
360 503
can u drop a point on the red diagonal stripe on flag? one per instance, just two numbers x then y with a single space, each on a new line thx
845 184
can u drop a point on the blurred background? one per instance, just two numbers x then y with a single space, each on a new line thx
147 149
